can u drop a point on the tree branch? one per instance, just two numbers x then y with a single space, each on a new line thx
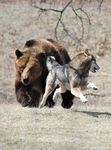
80 18
81 9
60 15
60 20
100 2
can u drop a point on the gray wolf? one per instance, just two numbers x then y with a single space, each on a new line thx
70 77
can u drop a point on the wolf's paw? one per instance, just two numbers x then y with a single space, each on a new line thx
93 86
84 100
41 105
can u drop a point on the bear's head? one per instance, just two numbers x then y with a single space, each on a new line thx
28 66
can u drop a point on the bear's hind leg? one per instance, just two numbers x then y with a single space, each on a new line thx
67 99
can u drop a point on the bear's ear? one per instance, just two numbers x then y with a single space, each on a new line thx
18 53
30 43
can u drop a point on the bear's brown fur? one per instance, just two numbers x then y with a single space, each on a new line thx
31 71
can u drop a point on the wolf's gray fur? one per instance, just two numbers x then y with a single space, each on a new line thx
68 77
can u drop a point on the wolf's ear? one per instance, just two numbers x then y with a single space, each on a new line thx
86 51
18 53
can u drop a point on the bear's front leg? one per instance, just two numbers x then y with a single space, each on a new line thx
23 97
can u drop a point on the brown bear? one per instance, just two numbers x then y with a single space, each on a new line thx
31 72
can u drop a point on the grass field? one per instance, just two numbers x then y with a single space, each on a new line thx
84 126
79 128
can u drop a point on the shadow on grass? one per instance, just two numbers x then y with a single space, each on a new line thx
95 114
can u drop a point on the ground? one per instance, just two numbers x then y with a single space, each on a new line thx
84 126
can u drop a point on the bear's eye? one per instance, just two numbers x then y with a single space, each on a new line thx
21 68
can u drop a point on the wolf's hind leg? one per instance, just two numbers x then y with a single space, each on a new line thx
78 93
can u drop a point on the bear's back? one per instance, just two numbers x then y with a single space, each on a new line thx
48 47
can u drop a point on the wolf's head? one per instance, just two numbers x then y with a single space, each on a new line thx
93 64
86 60
51 62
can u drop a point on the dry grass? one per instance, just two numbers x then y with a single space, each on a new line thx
84 126
78 128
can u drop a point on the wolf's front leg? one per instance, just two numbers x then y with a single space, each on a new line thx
50 86
92 85
48 90
78 93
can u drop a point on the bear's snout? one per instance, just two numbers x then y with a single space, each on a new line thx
25 81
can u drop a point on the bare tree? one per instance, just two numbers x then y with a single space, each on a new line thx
79 13
61 14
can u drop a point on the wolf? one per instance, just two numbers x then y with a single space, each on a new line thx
72 76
